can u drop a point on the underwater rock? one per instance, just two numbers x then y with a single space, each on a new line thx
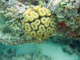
67 11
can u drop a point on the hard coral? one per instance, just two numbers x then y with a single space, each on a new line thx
38 23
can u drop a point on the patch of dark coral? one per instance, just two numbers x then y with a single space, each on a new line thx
9 51
35 3
6 29
79 10
64 40
1 54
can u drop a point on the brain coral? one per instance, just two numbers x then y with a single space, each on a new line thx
38 23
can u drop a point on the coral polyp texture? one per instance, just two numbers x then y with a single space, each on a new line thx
37 23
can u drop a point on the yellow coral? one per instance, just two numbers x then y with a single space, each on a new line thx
27 33
48 30
46 35
26 18
33 33
31 18
27 12
42 12
52 24
48 20
36 8
38 23
52 18
42 28
34 26
48 12
53 30
46 24
34 14
27 27
38 36
43 20
39 32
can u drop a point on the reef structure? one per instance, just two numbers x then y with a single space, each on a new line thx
67 13
23 20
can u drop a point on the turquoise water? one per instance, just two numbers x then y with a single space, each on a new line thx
45 51
50 50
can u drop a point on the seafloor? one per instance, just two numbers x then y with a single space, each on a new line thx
46 51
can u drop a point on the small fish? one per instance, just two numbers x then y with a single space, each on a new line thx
63 24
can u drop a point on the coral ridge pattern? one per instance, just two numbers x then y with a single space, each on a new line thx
37 23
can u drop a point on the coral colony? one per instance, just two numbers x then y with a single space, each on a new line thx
37 23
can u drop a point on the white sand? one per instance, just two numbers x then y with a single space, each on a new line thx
55 52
